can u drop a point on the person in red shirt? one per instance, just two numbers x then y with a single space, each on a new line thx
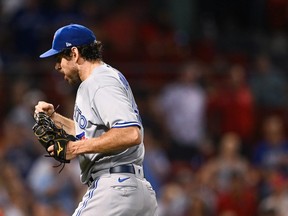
231 107
239 200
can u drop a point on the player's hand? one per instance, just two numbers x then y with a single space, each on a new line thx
69 154
43 106
50 150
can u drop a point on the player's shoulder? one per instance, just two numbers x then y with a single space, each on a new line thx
103 70
102 76
106 72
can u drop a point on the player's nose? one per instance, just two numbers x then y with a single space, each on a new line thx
57 66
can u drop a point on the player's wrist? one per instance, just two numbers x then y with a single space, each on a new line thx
53 114
55 118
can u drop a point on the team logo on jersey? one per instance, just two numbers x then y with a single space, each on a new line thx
80 118
81 136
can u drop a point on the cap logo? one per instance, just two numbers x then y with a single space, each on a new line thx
68 44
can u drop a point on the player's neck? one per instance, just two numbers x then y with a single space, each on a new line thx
87 68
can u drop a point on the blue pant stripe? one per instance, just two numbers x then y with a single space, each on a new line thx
91 192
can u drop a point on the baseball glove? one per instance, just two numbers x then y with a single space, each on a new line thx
49 134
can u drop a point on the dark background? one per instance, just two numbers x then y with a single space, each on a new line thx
148 41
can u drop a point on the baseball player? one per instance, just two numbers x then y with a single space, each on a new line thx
107 125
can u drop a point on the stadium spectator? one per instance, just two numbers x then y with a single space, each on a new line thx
219 169
182 105
231 106
238 200
272 147
269 87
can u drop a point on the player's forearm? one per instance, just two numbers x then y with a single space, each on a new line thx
114 140
64 122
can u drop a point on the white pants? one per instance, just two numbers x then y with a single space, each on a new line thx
118 194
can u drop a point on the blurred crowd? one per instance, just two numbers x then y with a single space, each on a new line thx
210 79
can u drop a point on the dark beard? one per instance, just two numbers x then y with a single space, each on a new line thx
74 79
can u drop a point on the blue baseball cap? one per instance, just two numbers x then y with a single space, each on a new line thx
68 36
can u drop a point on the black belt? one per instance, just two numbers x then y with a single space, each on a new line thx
127 168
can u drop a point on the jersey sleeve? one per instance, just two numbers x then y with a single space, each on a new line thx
115 108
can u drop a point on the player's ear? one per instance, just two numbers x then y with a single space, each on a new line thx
75 53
